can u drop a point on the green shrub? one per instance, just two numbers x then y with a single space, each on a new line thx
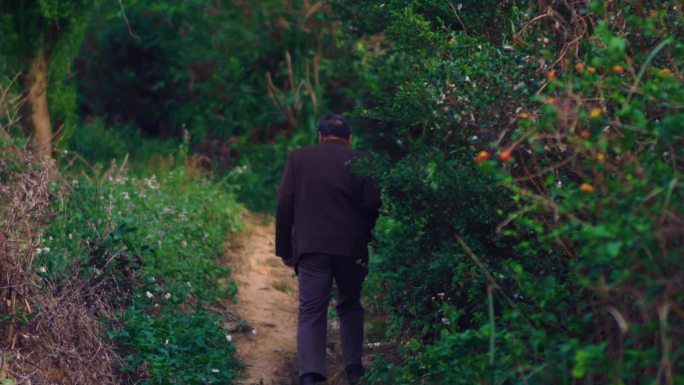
159 238
557 265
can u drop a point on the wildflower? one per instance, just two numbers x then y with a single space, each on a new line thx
167 295
229 338
42 269
445 321
254 331
39 251
71 236
149 295
601 157
166 342
189 284
126 196
215 371
587 188
46 249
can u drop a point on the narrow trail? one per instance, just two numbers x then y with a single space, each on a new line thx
267 301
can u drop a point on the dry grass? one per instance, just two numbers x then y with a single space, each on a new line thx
50 332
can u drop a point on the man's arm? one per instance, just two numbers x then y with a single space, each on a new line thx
285 213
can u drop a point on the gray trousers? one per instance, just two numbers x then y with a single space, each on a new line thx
316 274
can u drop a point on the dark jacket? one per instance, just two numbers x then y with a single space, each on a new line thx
322 206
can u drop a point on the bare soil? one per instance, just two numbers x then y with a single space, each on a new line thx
267 301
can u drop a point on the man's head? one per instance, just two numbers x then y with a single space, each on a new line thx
334 127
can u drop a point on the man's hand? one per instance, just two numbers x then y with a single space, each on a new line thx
290 262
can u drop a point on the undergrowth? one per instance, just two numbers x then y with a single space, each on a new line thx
159 237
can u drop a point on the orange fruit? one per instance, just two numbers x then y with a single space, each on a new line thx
591 70
579 67
618 69
585 134
664 72
595 112
551 74
481 156
524 115
601 157
586 187
505 155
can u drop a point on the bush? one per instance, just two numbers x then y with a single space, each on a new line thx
555 260
159 238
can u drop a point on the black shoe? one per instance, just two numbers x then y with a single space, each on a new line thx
308 379
354 373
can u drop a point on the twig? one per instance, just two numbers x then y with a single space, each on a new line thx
128 24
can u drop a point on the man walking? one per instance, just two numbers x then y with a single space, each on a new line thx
324 220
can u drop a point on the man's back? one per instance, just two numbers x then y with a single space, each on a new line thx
331 209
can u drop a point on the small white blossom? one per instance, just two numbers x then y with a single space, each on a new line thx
445 321
229 338
149 295
46 249
71 236
166 342
189 284
254 331
42 269
215 371
167 295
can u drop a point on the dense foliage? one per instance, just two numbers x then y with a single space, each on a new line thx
159 238
558 258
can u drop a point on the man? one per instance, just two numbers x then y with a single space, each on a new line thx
323 224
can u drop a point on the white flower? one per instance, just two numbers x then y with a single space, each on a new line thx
71 236
229 338
254 331
50 237
42 269
445 321
46 249
126 196
215 371
166 342
39 251
149 295
189 284
167 295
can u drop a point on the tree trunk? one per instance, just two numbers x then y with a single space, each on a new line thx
36 115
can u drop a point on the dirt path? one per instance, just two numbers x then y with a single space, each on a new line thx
267 300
